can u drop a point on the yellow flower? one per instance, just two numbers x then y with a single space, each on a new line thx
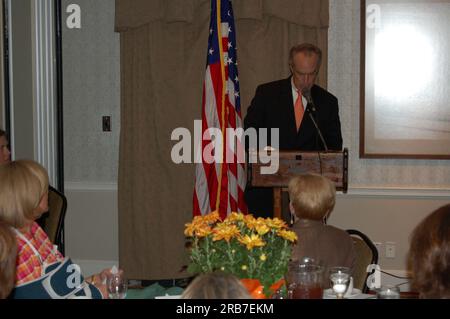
189 229
225 231
288 235
263 257
275 223
202 230
257 224
262 229
244 267
233 217
251 241
211 217
250 221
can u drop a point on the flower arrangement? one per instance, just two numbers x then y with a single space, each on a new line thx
242 245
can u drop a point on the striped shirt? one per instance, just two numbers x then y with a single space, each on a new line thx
29 265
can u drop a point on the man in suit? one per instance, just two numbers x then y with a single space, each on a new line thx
284 105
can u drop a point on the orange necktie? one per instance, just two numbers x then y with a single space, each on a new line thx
298 109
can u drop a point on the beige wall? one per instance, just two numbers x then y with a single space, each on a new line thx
384 219
22 79
91 63
91 222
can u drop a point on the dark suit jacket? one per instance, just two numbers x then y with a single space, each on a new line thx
272 107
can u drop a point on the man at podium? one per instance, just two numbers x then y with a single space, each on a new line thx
306 115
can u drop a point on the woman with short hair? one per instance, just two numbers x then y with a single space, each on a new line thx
312 199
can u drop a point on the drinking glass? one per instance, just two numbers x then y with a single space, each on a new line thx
340 280
117 285
388 292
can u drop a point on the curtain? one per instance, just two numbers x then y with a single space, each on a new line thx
163 59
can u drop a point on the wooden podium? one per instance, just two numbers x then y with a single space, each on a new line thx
332 165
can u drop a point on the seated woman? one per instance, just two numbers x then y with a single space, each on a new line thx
216 285
312 198
23 199
8 252
5 154
429 255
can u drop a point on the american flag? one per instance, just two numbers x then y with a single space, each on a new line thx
220 184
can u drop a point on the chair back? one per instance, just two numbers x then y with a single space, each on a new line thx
366 254
53 221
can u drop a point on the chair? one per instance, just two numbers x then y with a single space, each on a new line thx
53 221
366 254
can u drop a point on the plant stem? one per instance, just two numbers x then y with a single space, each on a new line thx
208 261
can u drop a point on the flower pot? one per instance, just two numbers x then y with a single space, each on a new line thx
256 289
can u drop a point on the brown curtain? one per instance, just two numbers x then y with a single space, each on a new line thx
163 54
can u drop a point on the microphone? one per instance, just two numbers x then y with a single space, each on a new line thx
306 92
311 108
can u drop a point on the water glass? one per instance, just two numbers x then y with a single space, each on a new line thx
117 285
340 280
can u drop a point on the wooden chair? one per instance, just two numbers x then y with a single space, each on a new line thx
366 254
53 221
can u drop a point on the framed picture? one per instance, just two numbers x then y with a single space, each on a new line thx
405 79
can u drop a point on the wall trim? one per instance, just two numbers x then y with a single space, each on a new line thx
44 87
386 192
416 193
90 186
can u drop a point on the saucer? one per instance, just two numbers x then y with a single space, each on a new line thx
329 294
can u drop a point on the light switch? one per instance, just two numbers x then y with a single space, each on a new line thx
106 123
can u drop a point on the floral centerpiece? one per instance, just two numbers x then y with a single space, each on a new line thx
245 246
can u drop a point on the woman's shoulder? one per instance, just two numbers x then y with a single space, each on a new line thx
38 232
35 228
337 231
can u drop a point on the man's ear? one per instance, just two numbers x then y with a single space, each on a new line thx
291 69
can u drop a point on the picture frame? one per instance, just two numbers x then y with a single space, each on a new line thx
405 69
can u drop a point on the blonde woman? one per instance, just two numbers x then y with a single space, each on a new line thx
23 199
8 251
312 199
216 285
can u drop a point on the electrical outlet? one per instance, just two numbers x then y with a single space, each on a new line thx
106 123
390 249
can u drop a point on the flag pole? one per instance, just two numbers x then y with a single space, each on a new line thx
222 117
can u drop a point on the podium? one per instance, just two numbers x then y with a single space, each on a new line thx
332 165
